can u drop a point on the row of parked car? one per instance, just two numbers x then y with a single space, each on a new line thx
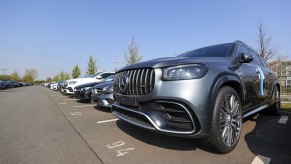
96 88
5 84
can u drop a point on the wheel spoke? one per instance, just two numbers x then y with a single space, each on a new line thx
231 101
229 136
224 133
230 119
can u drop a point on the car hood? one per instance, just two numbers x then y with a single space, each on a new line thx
103 85
90 84
172 61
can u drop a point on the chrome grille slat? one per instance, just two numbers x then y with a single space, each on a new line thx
129 83
133 86
145 81
140 81
151 78
136 82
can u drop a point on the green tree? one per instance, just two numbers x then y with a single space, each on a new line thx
30 75
49 79
66 76
56 77
15 76
76 72
132 56
6 77
92 68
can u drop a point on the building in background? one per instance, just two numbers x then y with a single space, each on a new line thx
283 72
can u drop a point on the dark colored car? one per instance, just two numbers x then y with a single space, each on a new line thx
84 91
203 93
2 84
6 84
102 94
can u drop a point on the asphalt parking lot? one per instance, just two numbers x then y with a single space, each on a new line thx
38 125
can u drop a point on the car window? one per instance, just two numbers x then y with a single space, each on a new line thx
105 75
221 50
109 78
256 59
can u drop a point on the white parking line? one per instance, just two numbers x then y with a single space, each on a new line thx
83 106
261 160
76 113
105 121
70 99
283 120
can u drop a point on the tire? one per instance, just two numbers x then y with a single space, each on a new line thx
226 121
274 109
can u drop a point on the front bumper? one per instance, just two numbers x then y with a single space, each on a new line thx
82 95
181 108
103 100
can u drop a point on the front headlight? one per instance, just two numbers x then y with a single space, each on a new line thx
72 82
86 88
184 72
108 90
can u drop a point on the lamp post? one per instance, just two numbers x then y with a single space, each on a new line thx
116 63
4 69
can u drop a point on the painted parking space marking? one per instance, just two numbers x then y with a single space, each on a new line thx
63 103
283 120
105 121
81 106
119 152
70 99
261 160
76 113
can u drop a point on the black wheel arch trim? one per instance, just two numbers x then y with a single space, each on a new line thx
221 80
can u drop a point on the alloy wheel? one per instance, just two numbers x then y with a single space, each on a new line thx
230 120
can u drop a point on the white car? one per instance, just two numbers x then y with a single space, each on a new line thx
72 83
54 86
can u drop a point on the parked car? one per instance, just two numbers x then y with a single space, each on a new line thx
2 85
71 84
6 84
203 93
61 86
102 94
84 91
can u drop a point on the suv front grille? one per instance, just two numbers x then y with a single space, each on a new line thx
139 81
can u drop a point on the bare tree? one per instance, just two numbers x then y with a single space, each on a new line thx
266 47
132 56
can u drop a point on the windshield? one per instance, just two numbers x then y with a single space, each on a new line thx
95 75
221 50
110 78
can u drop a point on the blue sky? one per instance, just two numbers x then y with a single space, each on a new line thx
55 35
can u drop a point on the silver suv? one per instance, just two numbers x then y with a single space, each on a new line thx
203 93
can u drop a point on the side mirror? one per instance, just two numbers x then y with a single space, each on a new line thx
245 58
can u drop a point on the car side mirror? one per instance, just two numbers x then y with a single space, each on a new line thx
245 58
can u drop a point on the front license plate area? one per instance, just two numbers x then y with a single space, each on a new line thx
126 100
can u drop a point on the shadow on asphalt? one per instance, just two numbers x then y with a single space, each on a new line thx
103 109
160 140
84 101
270 139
